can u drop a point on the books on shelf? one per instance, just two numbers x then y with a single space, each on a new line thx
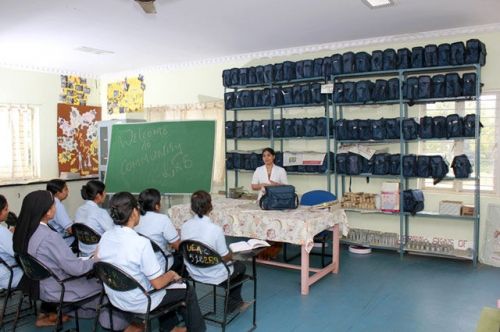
248 245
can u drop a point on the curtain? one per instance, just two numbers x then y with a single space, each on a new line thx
18 151
198 111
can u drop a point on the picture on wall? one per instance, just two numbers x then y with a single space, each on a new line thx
126 96
74 90
77 143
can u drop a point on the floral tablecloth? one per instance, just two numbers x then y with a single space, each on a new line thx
245 218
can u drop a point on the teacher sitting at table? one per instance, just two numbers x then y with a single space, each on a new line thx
268 174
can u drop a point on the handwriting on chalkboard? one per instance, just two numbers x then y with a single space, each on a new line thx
170 156
142 136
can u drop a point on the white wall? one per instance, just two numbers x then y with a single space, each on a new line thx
199 84
42 90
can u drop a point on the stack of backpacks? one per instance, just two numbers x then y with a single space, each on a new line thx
451 126
299 94
422 166
454 54
303 127
440 86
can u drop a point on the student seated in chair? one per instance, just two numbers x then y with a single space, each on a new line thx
62 222
201 228
34 237
132 253
159 228
6 252
91 214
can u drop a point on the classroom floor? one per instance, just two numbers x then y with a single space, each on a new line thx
377 292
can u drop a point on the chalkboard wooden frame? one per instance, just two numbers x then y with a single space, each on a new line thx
175 157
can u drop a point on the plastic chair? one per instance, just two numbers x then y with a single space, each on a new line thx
158 249
118 280
7 293
202 256
311 198
37 271
85 234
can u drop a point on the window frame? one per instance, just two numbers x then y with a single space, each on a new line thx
459 148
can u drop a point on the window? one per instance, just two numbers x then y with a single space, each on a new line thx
19 158
489 136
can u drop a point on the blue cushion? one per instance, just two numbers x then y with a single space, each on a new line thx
314 197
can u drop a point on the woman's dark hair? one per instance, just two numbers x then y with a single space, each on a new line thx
121 206
270 150
148 199
35 205
3 202
90 190
56 186
201 203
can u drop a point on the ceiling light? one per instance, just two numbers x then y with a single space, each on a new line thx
92 50
378 3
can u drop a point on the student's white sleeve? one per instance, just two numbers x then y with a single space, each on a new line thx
220 243
149 263
62 218
255 177
106 222
169 231
6 241
284 179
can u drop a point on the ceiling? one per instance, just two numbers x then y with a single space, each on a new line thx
44 34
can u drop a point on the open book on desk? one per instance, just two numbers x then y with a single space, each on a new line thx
248 245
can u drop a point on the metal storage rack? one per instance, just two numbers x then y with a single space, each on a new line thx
276 112
404 218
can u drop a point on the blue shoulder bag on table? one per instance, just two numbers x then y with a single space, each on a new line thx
282 197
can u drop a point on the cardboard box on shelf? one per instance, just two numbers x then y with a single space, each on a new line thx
452 208
467 210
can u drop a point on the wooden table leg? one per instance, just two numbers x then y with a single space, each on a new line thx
336 248
304 270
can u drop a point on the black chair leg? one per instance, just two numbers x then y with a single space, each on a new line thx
77 321
323 252
18 312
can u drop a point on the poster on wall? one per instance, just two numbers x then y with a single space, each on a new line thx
126 96
77 140
74 90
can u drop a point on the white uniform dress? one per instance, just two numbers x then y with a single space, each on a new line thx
7 254
132 253
62 221
159 228
260 176
96 218
212 235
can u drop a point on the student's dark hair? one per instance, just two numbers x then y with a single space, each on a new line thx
3 202
121 206
148 199
35 205
90 190
270 150
201 203
56 186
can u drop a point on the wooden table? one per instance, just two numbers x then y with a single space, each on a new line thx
245 219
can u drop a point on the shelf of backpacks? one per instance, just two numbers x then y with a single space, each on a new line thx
397 140
318 79
394 176
396 72
278 138
277 107
403 86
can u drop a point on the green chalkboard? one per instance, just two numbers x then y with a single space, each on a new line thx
173 157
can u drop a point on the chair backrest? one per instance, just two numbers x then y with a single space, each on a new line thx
33 268
314 197
115 278
156 247
200 255
85 234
